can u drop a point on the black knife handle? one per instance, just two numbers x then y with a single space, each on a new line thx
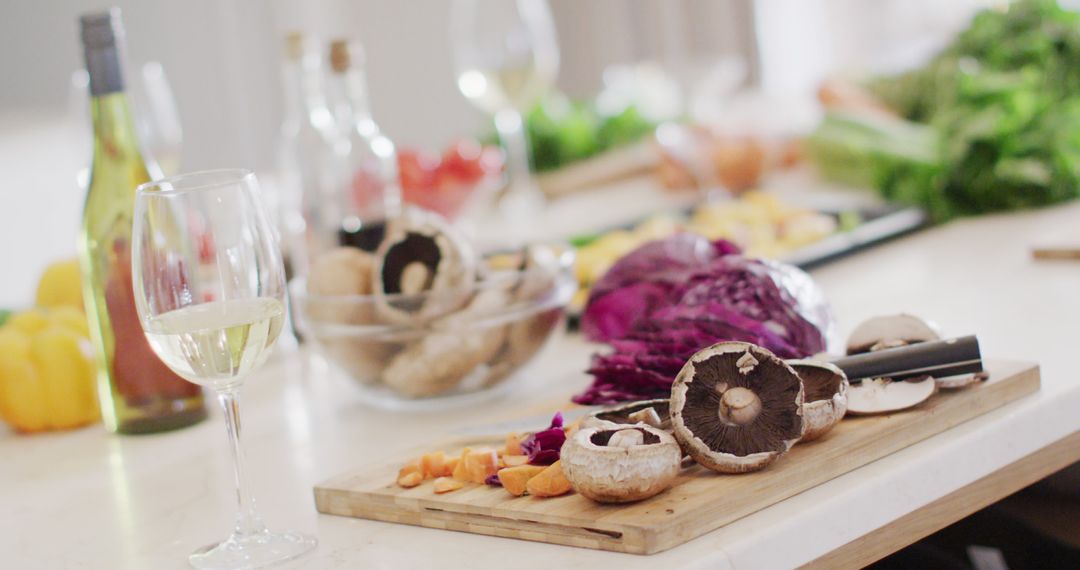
939 358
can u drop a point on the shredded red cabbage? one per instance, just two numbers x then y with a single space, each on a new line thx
543 447
644 280
668 299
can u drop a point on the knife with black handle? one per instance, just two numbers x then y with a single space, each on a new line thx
939 358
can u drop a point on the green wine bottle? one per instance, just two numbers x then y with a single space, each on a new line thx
138 393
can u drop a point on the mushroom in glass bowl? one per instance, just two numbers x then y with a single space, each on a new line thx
420 321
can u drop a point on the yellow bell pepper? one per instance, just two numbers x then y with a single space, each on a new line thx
60 285
47 374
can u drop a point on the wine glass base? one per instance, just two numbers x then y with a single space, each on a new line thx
242 552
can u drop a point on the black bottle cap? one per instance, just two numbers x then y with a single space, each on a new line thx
102 37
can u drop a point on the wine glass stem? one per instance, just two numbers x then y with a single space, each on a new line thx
510 126
248 521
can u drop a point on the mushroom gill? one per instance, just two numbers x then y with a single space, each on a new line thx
737 411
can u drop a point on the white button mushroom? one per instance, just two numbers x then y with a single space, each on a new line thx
620 464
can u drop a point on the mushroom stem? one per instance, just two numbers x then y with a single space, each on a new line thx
414 278
739 406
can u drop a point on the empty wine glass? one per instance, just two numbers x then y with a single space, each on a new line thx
157 117
210 291
506 55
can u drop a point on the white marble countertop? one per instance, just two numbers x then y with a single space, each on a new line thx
85 499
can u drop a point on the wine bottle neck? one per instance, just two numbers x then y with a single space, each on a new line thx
102 39
115 139
314 101
105 70
292 89
355 91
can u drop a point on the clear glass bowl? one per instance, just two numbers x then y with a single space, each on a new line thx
486 333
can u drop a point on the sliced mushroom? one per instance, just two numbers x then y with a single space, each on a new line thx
335 282
540 267
890 331
336 277
648 416
733 415
655 413
440 362
537 279
962 380
825 390
620 464
882 396
424 268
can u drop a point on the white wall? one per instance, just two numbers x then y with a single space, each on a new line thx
222 60
221 57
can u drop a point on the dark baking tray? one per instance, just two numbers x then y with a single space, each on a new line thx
877 224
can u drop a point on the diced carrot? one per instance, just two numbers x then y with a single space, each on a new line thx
410 467
446 485
513 445
433 464
515 460
514 479
481 464
460 472
410 480
549 483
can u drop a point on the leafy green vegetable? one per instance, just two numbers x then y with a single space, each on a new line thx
624 128
561 131
995 120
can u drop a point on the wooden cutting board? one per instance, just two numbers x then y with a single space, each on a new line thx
699 502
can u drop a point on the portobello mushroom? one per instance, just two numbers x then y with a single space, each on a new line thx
736 407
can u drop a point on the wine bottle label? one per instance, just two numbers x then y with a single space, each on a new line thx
102 35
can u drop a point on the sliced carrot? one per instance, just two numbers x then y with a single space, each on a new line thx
410 467
433 464
513 445
514 479
549 483
451 464
481 464
515 460
410 480
459 472
446 485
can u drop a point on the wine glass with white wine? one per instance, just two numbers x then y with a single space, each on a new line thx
210 291
507 56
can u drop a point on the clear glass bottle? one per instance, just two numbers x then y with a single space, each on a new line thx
138 393
367 189
305 211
